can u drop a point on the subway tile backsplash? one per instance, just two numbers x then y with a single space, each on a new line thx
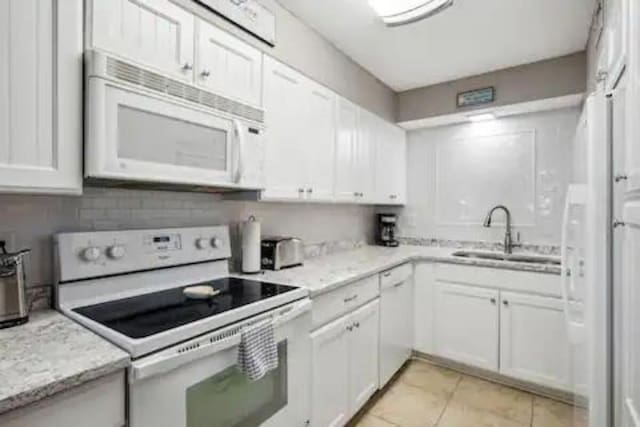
28 221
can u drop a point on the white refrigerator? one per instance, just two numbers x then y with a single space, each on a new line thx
586 250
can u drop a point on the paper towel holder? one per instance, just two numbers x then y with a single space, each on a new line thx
251 249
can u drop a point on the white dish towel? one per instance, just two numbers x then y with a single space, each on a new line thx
257 353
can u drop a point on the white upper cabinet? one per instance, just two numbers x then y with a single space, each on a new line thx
534 345
365 155
228 66
41 96
154 33
285 157
346 177
318 136
391 165
466 321
355 153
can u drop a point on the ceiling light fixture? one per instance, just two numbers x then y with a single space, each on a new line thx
482 117
399 12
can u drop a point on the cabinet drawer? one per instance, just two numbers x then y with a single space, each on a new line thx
508 280
336 303
395 275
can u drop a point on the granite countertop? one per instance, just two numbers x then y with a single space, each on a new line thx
325 273
49 354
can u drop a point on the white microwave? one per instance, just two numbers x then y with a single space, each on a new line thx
142 127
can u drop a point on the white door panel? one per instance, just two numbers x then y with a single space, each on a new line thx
466 324
41 96
534 344
155 33
330 378
363 355
228 66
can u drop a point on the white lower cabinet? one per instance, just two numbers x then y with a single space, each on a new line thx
466 324
396 321
100 403
517 334
345 366
534 345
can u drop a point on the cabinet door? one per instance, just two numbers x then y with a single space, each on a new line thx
330 378
319 139
41 96
369 128
363 355
396 328
466 324
285 166
391 165
630 372
228 66
633 126
346 177
534 345
423 294
154 33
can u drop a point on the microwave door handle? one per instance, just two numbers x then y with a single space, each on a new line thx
564 258
239 151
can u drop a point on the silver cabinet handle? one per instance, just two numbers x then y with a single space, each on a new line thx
356 325
205 73
387 274
309 190
493 300
393 196
617 223
350 328
187 66
351 298
505 303
356 194
621 177
300 190
397 285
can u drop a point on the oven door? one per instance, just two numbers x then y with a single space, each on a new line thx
197 384
133 135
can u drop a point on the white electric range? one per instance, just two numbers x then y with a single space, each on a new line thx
127 286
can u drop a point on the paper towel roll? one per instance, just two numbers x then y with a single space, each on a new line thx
251 246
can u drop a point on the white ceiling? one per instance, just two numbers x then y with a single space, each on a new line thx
472 37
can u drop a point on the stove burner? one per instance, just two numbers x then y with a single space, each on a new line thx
149 314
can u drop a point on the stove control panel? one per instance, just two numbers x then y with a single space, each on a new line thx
95 254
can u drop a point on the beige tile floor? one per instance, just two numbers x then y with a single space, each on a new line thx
425 395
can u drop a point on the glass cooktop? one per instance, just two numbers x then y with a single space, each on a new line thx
148 314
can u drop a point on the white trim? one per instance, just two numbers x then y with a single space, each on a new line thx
547 104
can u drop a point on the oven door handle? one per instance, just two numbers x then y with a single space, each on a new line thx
167 361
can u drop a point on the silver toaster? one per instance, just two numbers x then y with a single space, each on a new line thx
281 252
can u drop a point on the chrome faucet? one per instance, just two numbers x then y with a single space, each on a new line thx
508 241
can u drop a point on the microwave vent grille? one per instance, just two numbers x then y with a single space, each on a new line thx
135 75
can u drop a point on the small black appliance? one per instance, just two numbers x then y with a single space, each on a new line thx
386 234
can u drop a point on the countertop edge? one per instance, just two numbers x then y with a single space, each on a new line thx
61 385
314 293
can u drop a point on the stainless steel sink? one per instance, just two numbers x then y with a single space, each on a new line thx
497 256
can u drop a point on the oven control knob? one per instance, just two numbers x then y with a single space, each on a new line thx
202 243
116 251
216 242
91 254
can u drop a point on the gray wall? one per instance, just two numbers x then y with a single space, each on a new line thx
302 48
545 79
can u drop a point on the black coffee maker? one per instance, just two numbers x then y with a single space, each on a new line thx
386 234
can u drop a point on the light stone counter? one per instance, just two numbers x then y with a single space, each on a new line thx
325 273
50 354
